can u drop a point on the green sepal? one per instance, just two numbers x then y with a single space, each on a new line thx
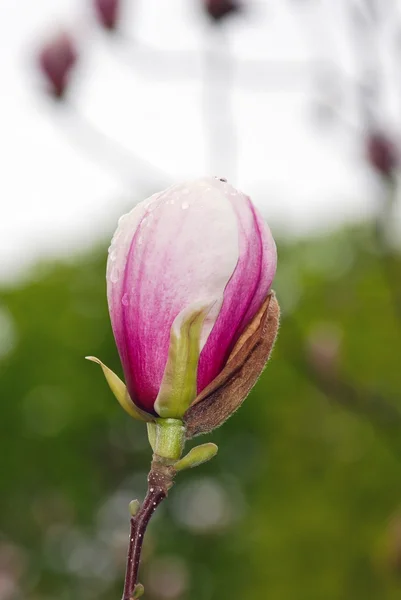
120 391
139 590
196 456
152 433
178 387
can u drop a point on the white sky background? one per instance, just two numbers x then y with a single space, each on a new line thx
56 196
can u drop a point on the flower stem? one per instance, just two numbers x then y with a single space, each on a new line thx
160 479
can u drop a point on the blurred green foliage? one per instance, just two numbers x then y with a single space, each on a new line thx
302 501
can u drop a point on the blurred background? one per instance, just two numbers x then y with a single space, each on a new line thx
298 103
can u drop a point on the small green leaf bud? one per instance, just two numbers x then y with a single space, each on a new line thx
134 506
196 456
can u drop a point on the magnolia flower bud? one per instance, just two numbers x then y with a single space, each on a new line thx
382 153
107 12
219 9
188 283
56 60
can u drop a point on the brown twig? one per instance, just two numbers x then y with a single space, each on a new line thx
382 412
388 257
219 71
160 480
251 73
130 167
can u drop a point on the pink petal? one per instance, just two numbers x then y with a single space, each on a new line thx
177 249
247 288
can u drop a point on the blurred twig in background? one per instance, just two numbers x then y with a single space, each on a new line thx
381 151
316 359
132 169
219 67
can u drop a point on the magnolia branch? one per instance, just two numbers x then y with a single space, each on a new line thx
160 480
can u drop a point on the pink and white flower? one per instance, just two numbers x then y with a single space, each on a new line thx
196 253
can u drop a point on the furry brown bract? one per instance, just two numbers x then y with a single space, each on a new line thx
225 394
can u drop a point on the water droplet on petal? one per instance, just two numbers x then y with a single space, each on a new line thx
125 299
184 205
140 240
122 219
114 275
113 255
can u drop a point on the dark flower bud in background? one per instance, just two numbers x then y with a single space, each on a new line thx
389 557
382 154
57 58
107 12
323 349
219 9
